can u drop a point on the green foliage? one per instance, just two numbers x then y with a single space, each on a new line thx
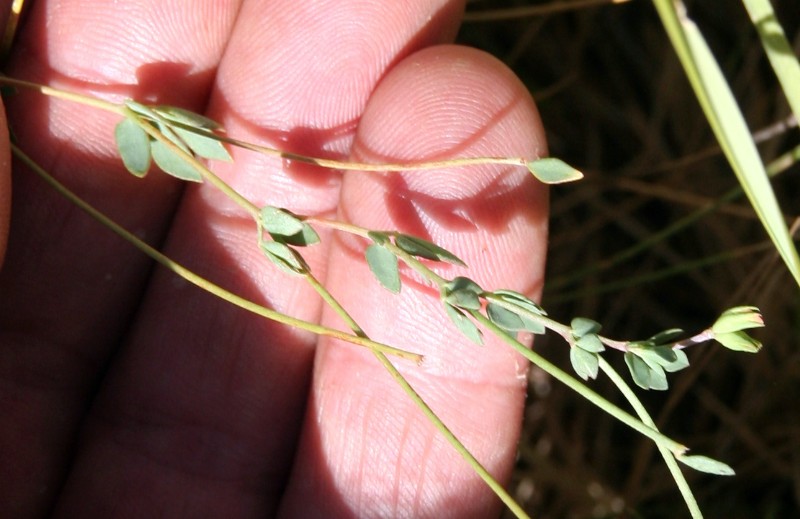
585 347
383 263
707 465
729 328
425 249
280 222
174 138
284 257
645 375
464 323
582 326
515 316
728 123
286 227
172 163
463 293
180 130
133 144
585 363
553 171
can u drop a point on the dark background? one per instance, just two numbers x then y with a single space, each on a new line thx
615 104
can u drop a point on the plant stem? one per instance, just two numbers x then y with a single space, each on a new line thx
669 457
203 283
574 384
437 422
366 166
94 102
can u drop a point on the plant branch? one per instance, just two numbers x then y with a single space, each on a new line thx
574 384
437 422
203 283
669 457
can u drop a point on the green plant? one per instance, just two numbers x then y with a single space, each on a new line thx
176 140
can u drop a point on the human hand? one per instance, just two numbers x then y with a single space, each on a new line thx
126 392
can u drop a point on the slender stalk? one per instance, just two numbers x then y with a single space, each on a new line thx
574 384
366 166
668 456
203 283
437 422
94 102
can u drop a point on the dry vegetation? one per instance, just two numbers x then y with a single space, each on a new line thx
616 105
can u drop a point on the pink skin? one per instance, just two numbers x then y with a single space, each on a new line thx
126 392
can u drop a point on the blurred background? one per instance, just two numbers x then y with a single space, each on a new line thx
644 243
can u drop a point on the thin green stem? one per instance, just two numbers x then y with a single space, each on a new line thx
437 422
366 166
669 457
94 102
266 150
337 225
574 384
203 283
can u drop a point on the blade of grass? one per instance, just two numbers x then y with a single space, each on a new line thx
728 124
779 52
556 285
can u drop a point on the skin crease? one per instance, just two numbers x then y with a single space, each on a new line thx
127 393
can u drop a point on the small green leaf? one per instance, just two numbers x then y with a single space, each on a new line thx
172 164
505 319
519 300
513 322
661 355
425 249
647 375
590 342
640 371
463 293
307 236
553 171
383 264
173 137
707 465
142 109
187 117
681 361
582 326
665 337
133 145
464 324
204 144
585 364
280 222
738 341
284 257
737 319
658 377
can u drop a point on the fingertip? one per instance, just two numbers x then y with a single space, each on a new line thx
448 102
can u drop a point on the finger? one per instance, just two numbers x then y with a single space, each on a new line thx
213 430
69 287
366 448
